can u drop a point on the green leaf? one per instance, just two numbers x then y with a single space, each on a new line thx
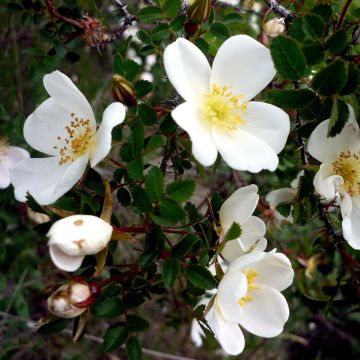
171 8
331 79
135 169
123 197
178 23
291 99
314 53
144 37
160 33
141 199
171 210
171 270
133 349
149 14
220 30
288 58
147 115
34 205
185 246
180 190
313 26
142 88
337 42
200 277
338 118
154 142
233 233
154 183
107 307
284 209
136 140
131 69
202 45
136 323
233 18
114 337
53 327
323 10
353 80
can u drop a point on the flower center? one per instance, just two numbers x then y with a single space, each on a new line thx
4 147
223 109
78 141
250 276
348 167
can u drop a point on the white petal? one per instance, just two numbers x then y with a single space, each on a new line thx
188 117
278 196
247 260
327 149
113 115
4 177
14 154
266 314
244 64
63 90
228 334
252 232
239 206
187 69
243 151
326 183
45 179
268 123
63 261
232 287
44 127
351 224
274 271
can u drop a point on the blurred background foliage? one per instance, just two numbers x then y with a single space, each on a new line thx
86 40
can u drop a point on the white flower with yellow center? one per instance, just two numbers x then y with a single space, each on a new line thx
9 157
339 173
249 295
64 128
239 208
218 114
74 237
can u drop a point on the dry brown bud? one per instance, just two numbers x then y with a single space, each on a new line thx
123 90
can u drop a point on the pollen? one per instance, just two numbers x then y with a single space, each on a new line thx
223 109
250 276
348 167
78 141
4 147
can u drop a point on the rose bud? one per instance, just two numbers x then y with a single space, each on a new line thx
199 11
74 237
123 90
274 27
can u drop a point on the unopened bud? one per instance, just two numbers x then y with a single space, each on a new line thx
36 217
274 27
74 237
70 300
199 11
123 90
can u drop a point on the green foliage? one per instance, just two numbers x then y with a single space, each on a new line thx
200 277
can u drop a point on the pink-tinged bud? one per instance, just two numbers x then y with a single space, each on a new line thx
70 300
191 28
123 90
199 11
274 27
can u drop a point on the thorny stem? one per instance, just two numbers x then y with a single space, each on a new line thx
343 13
280 10
143 230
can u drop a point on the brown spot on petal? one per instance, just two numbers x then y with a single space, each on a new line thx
78 222
79 243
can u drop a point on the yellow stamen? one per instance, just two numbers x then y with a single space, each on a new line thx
250 276
348 167
78 141
223 109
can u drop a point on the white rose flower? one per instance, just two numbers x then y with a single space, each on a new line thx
9 157
239 208
339 173
62 302
74 237
249 295
218 114
64 128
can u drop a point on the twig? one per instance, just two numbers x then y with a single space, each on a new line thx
343 13
280 10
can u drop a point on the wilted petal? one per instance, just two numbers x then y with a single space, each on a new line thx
326 183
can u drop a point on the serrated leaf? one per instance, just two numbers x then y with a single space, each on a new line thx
202 45
292 99
313 26
337 42
180 190
161 32
136 323
353 79
233 233
331 79
284 209
338 118
142 88
144 37
200 277
288 58
155 142
233 18
171 210
314 53
34 205
133 349
171 270
149 14
114 337
154 183
135 169
107 307
171 8
141 199
220 31
147 115
185 246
